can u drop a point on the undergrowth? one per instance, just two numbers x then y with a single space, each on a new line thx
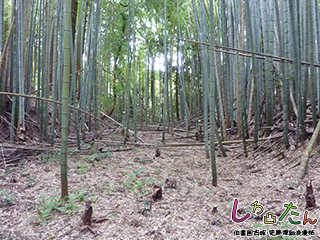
47 207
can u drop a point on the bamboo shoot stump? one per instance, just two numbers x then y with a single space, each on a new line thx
86 217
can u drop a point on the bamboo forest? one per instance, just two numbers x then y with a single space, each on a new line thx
159 119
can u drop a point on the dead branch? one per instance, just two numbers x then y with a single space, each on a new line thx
25 147
305 158
216 143
6 46
119 124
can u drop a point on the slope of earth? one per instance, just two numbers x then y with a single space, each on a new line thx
120 180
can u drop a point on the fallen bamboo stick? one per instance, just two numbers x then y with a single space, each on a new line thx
120 125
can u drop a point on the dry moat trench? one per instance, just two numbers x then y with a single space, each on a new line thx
119 183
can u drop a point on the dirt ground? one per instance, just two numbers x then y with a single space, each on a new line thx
120 181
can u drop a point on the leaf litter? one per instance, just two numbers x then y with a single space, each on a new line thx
120 185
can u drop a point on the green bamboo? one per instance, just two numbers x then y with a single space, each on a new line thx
81 29
106 94
73 90
311 58
285 88
183 98
152 86
134 75
146 91
54 72
1 51
127 104
40 67
315 6
205 72
140 93
201 30
194 90
212 98
95 48
76 53
65 100
161 98
20 49
268 35
293 9
90 97
304 31
48 38
60 58
85 93
251 45
1 25
226 83
258 73
30 56
231 61
13 77
165 95
219 82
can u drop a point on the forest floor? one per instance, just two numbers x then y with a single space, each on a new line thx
120 181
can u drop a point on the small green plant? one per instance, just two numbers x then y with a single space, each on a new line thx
8 173
131 183
138 184
47 207
49 156
151 180
207 191
70 206
81 169
85 146
139 172
108 154
22 162
144 193
146 207
142 160
78 195
113 214
5 197
97 156
74 150
31 181
111 185
105 166
30 205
